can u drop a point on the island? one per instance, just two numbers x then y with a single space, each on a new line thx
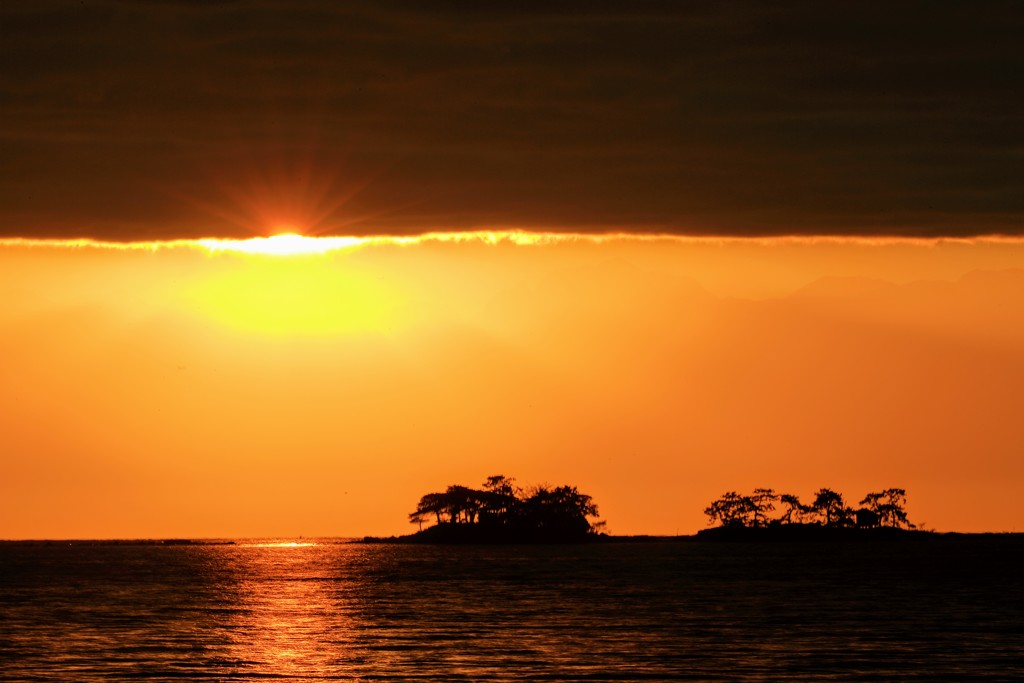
765 515
502 512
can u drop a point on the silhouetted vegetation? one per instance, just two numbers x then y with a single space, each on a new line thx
500 511
884 509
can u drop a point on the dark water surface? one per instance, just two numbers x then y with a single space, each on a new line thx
942 609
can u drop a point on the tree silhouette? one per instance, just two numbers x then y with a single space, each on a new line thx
731 510
888 506
463 503
430 504
763 504
832 508
457 505
885 508
561 510
865 518
796 512
500 497
500 510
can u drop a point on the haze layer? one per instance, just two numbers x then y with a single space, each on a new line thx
196 390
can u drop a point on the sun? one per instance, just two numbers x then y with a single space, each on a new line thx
283 244
288 244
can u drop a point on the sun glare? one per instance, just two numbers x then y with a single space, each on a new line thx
283 244
276 291
280 544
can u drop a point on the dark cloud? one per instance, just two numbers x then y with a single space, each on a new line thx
124 120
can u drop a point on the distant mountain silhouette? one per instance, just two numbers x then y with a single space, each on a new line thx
999 283
601 292
837 287
983 303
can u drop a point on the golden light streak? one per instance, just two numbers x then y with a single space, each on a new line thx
290 244
287 244
279 544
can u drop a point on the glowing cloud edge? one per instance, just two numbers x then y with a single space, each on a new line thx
292 244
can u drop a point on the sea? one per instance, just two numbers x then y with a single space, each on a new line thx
944 608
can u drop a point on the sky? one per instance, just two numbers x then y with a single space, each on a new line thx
216 390
172 119
654 250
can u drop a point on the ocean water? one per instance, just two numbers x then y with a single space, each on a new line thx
949 608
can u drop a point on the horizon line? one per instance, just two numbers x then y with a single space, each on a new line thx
288 540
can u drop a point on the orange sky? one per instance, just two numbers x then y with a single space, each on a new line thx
187 389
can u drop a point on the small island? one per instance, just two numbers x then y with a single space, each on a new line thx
502 512
751 517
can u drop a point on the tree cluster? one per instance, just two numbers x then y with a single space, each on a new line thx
759 509
500 510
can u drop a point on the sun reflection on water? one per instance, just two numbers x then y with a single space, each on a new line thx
632 611
287 610
279 544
